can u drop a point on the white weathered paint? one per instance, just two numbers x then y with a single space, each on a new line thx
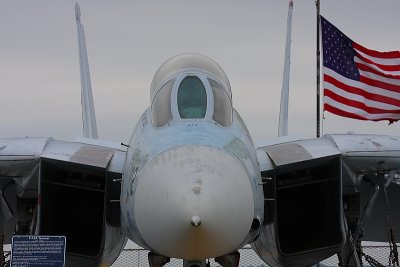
193 181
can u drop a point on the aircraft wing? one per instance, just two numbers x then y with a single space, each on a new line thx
61 183
20 158
309 183
362 153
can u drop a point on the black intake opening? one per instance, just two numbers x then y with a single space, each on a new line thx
309 205
72 204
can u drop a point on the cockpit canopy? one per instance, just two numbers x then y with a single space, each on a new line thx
192 98
190 86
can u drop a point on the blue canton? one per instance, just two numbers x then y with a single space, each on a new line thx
338 51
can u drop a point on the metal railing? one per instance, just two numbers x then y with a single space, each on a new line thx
248 258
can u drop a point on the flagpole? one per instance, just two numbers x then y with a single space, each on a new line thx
317 4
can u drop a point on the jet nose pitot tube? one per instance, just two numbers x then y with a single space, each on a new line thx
194 202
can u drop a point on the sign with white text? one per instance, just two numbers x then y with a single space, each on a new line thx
35 251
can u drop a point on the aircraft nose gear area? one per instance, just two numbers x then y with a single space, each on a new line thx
194 202
229 260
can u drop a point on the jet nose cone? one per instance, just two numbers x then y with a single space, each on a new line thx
194 202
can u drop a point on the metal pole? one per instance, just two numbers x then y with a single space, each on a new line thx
317 4
1 238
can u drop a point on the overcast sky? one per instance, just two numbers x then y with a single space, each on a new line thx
128 40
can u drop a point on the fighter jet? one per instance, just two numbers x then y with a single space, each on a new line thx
192 185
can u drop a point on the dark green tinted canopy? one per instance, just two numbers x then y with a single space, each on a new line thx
192 98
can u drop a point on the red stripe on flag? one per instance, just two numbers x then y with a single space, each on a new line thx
383 85
358 91
369 69
374 53
343 113
381 66
357 104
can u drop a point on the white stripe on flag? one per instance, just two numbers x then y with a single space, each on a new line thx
363 86
380 78
359 98
358 60
382 61
359 112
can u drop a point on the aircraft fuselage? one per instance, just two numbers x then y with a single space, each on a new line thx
191 188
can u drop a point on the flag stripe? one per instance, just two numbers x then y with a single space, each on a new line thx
356 112
380 66
358 94
346 114
383 61
358 84
390 78
341 112
374 53
357 104
383 85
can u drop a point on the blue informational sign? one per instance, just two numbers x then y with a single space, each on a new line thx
27 251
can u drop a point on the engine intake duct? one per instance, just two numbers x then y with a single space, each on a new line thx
303 216
81 203
309 206
72 204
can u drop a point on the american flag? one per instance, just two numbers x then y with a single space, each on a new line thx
359 83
